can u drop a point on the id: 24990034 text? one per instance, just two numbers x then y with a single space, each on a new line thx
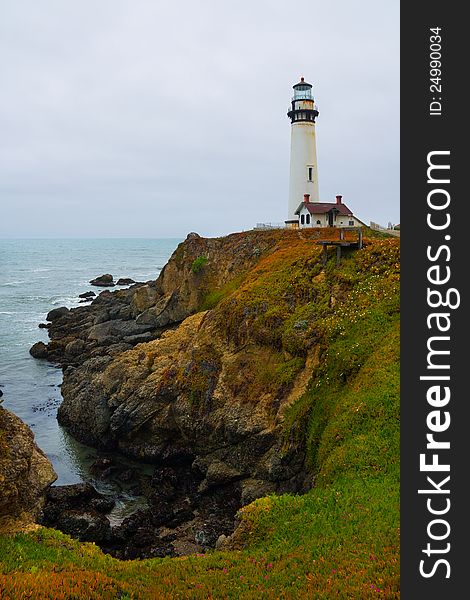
435 71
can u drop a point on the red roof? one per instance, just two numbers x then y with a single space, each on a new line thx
320 208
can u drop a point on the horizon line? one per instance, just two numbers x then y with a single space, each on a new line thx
92 238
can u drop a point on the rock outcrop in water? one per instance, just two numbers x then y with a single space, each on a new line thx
25 472
105 280
196 372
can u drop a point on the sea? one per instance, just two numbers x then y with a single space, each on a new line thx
36 276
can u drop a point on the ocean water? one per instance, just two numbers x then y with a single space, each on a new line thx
36 276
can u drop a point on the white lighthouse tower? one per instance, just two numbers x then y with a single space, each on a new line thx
303 151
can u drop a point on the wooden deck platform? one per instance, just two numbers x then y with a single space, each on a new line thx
341 243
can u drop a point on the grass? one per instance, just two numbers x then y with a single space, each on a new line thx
212 297
199 263
341 539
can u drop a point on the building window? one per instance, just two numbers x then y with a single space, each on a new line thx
351 222
302 219
318 222
310 173
307 219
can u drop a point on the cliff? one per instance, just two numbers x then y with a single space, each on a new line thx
200 372
257 369
25 474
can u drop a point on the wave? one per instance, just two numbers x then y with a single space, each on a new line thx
64 300
12 283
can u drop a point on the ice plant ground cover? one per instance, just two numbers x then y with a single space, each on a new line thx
341 539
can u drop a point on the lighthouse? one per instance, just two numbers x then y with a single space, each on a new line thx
303 151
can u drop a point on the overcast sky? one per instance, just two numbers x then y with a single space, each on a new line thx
149 118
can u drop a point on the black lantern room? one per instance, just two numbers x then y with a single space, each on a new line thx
303 104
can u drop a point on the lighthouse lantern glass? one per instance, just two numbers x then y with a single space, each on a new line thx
303 92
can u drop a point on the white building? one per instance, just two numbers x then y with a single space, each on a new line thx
303 154
325 214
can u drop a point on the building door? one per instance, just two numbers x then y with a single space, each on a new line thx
330 219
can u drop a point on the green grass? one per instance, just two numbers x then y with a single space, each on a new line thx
212 297
341 539
199 263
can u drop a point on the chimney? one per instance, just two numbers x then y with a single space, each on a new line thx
338 199
306 198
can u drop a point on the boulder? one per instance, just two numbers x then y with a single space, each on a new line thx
78 509
90 526
221 541
75 347
38 350
218 473
88 417
137 537
256 488
72 496
139 338
105 280
143 298
166 312
57 313
115 329
25 471
125 281
87 295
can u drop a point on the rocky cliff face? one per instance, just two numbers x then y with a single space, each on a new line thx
25 472
197 370
172 400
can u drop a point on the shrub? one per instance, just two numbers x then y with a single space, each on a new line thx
198 264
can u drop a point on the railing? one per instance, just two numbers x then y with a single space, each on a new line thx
269 226
377 227
315 107
391 230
